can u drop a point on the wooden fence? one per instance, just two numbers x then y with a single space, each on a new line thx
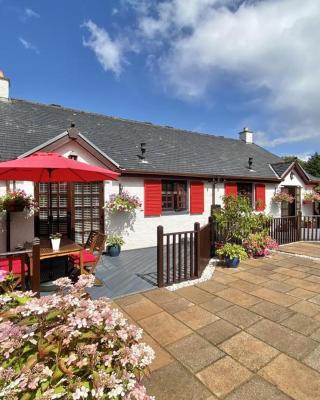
182 256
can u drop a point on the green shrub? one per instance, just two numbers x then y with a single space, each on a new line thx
232 251
238 220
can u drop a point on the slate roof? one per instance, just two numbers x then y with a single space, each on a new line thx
281 167
25 125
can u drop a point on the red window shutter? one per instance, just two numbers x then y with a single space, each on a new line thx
260 189
231 189
196 197
152 198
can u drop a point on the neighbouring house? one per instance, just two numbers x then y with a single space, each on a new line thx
178 175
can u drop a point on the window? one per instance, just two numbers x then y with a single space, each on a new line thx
245 189
174 195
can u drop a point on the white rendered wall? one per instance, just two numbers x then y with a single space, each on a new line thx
22 228
140 231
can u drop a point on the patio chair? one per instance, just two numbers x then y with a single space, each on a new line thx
91 256
16 264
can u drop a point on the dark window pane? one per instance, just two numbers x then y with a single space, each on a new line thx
174 195
245 189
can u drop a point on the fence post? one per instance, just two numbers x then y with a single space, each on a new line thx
196 249
299 225
160 256
35 279
211 222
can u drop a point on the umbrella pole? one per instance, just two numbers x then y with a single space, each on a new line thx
50 209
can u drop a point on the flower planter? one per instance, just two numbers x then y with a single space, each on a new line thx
114 251
307 201
232 262
55 244
14 207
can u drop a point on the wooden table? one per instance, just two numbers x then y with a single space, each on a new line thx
67 248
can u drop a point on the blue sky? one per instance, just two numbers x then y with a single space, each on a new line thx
212 66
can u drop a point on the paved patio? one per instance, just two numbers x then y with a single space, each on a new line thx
309 249
249 333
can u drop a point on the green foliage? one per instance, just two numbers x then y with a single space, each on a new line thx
115 240
313 165
68 346
237 218
292 159
232 251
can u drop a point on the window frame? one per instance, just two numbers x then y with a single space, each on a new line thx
173 197
252 198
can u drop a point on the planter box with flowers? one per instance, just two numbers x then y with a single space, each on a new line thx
67 346
122 202
17 201
282 196
311 197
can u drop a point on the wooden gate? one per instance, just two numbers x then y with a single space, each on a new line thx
182 256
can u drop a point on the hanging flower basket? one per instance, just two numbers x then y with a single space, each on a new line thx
122 202
311 197
282 196
17 201
13 207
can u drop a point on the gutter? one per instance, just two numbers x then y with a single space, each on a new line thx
160 174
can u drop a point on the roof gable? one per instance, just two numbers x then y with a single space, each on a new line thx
284 168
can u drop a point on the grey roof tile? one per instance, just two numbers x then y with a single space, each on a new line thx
25 125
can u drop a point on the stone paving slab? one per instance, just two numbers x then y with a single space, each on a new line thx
257 389
293 378
247 333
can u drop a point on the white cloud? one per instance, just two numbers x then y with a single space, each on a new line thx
266 47
28 45
31 13
108 52
268 50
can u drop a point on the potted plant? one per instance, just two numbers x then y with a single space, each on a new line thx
232 254
55 241
282 196
259 244
114 243
310 197
122 202
17 201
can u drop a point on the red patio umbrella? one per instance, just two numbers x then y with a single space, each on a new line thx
52 167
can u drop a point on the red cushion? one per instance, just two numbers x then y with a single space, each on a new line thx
87 257
16 265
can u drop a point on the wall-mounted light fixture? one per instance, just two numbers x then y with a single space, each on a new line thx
73 156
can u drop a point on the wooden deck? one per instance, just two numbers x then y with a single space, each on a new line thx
133 271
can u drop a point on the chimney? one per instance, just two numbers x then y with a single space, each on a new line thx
4 87
246 136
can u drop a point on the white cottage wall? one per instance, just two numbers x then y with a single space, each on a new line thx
140 231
